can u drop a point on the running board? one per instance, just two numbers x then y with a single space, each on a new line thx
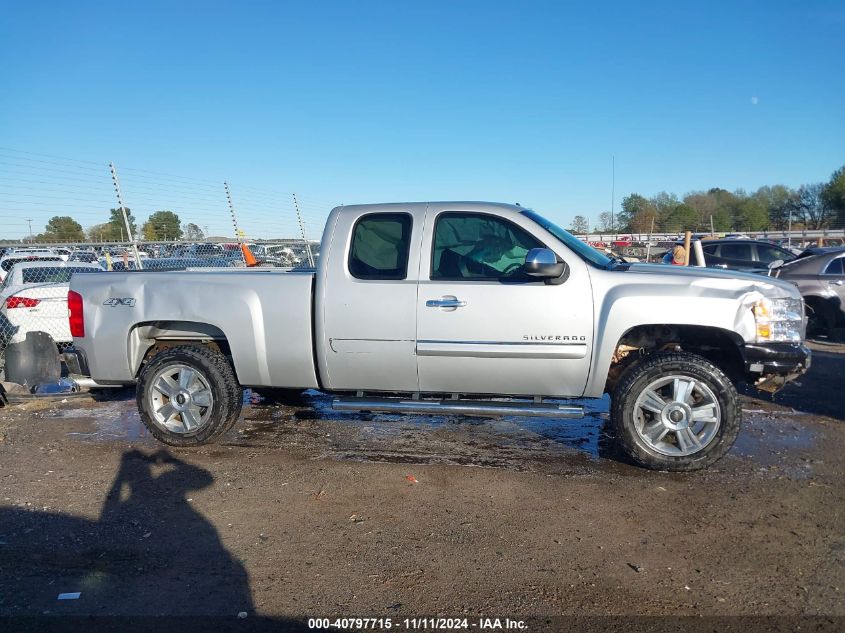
457 407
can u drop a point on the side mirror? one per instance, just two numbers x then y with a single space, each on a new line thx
776 266
542 262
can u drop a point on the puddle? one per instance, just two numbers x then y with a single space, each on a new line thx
115 420
777 441
313 429
511 441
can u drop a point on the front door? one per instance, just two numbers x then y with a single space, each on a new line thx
483 326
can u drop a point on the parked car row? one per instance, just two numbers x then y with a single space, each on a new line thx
737 254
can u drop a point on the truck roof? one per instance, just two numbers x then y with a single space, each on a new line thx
465 205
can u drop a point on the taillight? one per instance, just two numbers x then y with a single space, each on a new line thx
21 302
74 312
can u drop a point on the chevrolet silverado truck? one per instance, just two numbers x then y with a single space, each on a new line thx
461 308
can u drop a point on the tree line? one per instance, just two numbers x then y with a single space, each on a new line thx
771 208
160 226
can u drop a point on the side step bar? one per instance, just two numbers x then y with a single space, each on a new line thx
457 407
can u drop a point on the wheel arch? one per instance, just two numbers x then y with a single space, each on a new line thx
149 337
718 345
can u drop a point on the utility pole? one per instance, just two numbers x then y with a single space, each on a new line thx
648 246
30 231
234 219
612 193
232 211
302 230
122 207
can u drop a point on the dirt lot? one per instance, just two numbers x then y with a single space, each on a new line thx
300 512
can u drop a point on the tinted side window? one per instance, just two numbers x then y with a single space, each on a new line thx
768 254
836 267
380 244
710 249
478 246
736 251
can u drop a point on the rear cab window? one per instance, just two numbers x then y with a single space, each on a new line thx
380 246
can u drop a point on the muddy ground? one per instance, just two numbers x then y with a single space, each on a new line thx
300 512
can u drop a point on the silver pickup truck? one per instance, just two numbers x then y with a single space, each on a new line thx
448 307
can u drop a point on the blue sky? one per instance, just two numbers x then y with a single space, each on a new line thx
382 101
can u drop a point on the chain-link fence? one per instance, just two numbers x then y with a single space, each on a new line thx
34 280
61 217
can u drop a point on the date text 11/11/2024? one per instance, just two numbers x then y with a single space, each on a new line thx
435 624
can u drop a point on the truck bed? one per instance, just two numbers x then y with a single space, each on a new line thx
266 314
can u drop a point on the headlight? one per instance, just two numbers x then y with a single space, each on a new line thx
779 320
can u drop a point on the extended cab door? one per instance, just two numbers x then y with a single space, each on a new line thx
367 317
485 327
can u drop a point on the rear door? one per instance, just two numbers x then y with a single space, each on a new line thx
369 300
485 327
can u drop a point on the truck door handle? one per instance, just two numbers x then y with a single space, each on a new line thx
445 302
838 282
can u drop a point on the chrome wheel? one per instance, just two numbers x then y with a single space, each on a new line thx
180 399
677 415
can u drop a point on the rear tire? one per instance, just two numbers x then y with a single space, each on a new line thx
675 411
188 395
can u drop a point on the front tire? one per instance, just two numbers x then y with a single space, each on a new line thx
188 395
675 411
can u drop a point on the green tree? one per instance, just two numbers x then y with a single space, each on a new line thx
63 228
834 197
777 200
165 225
98 232
750 215
580 225
117 227
632 205
681 218
810 205
148 231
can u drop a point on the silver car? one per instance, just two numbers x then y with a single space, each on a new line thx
820 277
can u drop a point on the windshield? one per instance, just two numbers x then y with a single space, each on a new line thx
582 249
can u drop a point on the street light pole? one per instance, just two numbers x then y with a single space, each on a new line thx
30 231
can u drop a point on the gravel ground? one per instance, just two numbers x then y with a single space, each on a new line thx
300 512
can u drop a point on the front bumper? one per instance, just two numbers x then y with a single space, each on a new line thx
776 358
771 365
